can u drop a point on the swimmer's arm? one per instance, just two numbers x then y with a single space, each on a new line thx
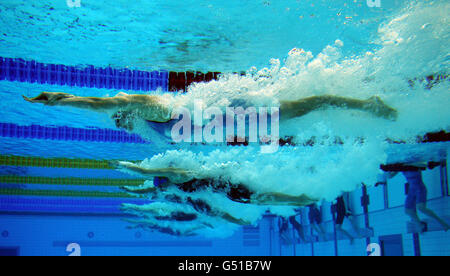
95 103
175 175
146 105
282 199
164 172
122 100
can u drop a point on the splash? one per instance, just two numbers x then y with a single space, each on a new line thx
409 47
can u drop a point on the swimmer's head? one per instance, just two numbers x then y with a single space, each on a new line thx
123 121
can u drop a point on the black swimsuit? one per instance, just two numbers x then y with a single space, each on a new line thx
238 193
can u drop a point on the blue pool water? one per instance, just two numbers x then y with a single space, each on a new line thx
59 189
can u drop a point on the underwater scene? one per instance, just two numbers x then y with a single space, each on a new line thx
224 128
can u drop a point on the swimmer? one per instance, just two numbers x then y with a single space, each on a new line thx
315 220
147 224
416 198
283 227
186 182
342 212
155 108
199 205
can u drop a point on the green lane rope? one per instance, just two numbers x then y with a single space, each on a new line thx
15 192
13 160
23 161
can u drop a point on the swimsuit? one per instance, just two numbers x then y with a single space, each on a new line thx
340 210
237 193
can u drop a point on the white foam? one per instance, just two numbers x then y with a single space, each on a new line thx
411 45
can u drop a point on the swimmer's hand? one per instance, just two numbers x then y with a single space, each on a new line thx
376 106
120 164
48 98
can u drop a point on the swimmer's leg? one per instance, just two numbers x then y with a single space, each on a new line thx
281 199
374 105
347 234
423 209
298 227
412 213
122 94
354 225
48 98
148 107
139 190
319 229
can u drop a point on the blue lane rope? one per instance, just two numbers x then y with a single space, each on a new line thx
65 205
57 74
69 134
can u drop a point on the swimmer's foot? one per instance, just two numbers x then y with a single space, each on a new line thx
377 107
48 98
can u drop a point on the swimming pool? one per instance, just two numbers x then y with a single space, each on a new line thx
59 186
